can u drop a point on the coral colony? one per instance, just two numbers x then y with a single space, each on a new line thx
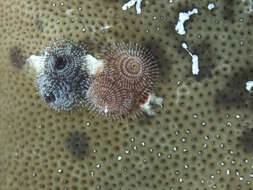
119 85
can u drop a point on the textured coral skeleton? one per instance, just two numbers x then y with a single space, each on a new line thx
200 139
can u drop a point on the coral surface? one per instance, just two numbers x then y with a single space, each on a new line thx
201 139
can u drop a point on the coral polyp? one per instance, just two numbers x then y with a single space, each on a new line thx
107 98
131 65
61 75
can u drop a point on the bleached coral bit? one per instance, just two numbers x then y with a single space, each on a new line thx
37 63
211 6
249 86
151 101
195 60
184 16
132 3
94 65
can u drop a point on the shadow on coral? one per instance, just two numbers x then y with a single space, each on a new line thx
77 144
246 140
160 56
228 10
39 24
234 93
17 59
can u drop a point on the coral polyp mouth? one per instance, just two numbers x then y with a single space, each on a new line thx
64 60
60 62
131 67
49 98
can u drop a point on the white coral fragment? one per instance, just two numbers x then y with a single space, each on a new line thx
184 16
195 60
211 6
195 64
132 3
148 106
69 11
105 27
93 64
36 62
249 85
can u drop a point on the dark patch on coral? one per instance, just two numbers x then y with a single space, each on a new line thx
234 93
160 56
246 140
145 120
228 7
184 6
249 24
77 144
17 59
39 24
113 1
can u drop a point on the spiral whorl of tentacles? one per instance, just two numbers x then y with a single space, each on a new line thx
131 65
124 87
108 98
62 79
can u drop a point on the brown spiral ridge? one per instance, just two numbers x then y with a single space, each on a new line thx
108 99
131 65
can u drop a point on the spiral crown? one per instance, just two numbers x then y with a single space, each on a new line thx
64 60
131 65
109 99
64 81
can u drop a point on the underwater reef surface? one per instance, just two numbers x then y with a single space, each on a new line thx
201 139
